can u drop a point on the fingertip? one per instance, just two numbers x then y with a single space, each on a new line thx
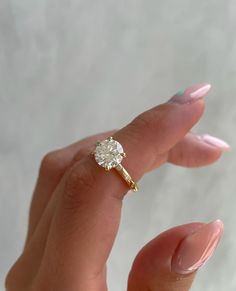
211 154
213 148
170 261
152 266
197 248
154 255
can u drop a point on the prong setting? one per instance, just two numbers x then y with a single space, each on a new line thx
109 154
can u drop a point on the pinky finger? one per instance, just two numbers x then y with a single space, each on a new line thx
197 150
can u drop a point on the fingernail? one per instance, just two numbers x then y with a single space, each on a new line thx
214 141
197 248
191 94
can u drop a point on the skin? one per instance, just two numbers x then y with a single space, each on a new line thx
76 207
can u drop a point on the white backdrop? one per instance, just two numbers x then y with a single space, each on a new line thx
72 68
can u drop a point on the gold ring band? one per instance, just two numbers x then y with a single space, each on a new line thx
126 176
108 154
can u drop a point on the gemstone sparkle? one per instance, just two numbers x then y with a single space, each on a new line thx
108 153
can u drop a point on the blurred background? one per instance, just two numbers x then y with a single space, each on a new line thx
71 68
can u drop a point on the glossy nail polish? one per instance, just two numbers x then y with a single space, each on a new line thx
214 141
191 94
197 248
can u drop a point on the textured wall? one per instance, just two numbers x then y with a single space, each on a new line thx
69 68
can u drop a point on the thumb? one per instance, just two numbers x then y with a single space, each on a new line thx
169 262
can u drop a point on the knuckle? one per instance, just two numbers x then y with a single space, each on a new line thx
11 280
8 281
80 180
149 120
52 164
137 127
142 121
83 152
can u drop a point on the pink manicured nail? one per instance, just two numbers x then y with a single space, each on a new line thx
191 94
214 141
197 248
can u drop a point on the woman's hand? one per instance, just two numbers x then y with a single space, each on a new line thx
76 207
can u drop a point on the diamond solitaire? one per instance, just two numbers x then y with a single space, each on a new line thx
109 154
